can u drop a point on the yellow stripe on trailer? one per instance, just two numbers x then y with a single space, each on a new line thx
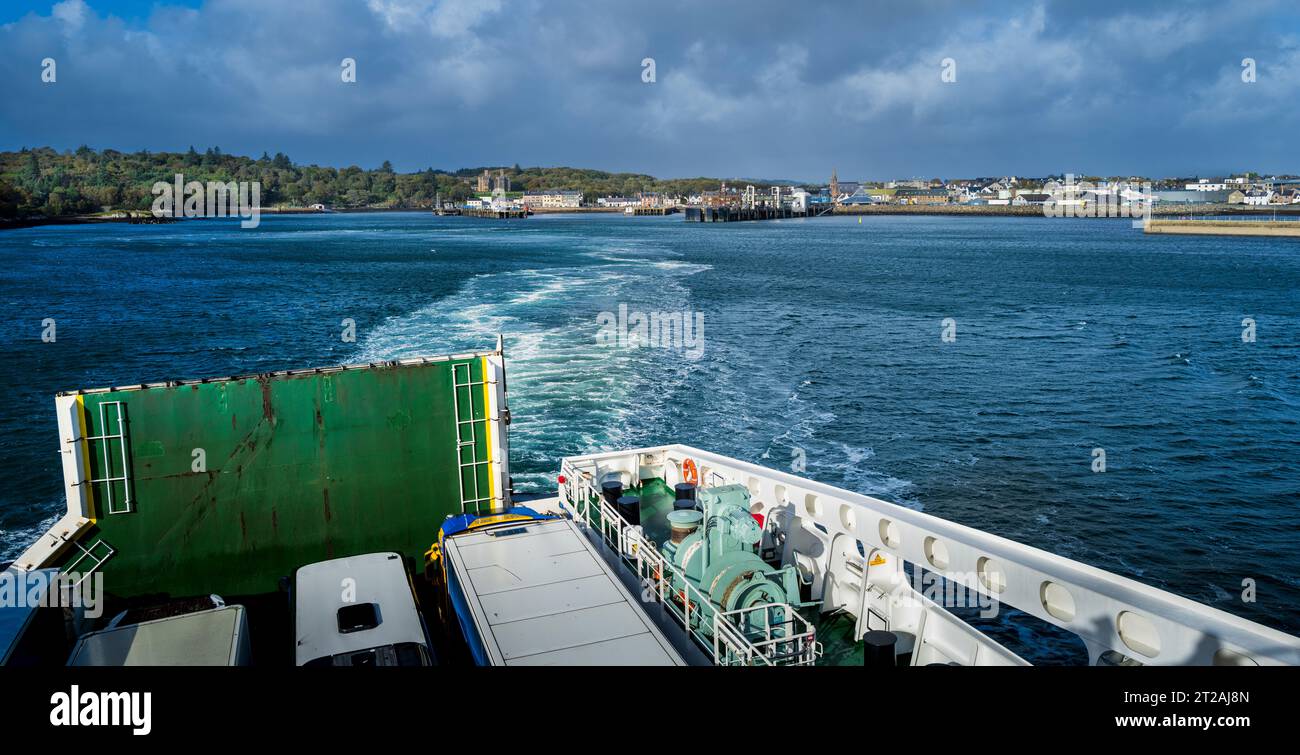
487 428
85 459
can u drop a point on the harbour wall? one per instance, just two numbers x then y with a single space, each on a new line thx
1289 228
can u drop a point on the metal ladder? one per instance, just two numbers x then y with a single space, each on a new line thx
475 500
96 561
126 505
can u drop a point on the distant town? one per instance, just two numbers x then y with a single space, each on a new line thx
39 185
493 194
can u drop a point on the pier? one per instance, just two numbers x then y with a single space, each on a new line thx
736 214
496 214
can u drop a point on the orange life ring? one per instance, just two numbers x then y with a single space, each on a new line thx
689 472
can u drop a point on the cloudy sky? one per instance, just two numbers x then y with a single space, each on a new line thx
751 89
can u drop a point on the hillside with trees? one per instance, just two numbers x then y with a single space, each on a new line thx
45 182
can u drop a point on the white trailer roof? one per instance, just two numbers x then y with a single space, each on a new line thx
320 590
541 595
202 638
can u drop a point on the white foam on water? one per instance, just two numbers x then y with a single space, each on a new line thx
15 540
849 464
748 398
568 394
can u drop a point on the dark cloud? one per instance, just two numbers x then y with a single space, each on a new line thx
758 89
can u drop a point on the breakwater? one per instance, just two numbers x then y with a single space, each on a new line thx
1287 228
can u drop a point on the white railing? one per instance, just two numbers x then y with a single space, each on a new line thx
791 641
1107 611
785 641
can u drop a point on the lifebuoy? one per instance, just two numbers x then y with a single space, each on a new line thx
689 472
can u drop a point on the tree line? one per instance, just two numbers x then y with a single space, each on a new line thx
44 181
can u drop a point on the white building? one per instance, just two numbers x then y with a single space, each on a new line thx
549 199
491 203
655 199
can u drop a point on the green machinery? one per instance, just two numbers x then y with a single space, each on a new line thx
714 547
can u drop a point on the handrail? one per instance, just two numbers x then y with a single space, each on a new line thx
1106 610
725 641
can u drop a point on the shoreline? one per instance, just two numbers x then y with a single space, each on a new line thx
1037 210
574 210
880 209
116 217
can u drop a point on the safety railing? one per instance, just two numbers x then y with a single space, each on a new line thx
783 636
728 642
1107 611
